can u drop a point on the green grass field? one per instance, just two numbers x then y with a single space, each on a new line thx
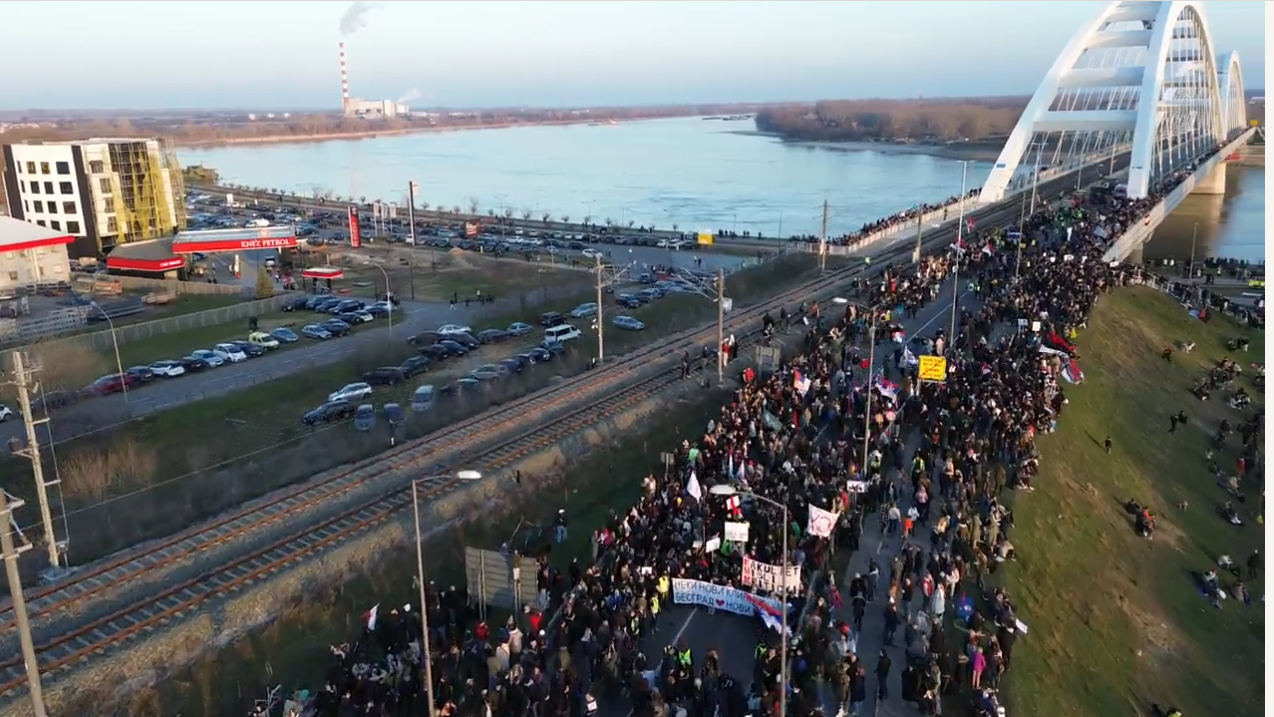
1115 620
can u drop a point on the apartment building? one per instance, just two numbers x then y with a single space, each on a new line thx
103 192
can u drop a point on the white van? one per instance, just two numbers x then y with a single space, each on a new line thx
562 333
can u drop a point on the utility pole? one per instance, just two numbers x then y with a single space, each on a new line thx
411 236
720 326
822 242
10 554
960 248
600 332
920 233
871 367
32 453
1021 238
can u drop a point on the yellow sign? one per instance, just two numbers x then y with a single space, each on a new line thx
933 368
705 238
1254 123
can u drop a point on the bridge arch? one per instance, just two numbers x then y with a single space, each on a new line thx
1233 99
1141 78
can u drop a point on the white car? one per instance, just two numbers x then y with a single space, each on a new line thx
211 357
592 253
447 329
351 392
264 340
230 352
168 369
584 311
6 413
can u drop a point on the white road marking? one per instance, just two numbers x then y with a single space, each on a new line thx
677 638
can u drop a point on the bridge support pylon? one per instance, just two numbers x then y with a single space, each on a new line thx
1213 182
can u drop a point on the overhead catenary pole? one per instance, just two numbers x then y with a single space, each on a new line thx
10 554
720 326
1021 239
426 656
822 241
601 348
920 233
1194 237
32 453
871 367
960 249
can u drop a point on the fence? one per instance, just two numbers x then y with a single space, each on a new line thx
182 287
105 340
942 215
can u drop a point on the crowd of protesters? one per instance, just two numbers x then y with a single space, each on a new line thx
907 217
930 461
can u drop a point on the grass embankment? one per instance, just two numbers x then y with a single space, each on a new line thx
292 651
158 474
1115 620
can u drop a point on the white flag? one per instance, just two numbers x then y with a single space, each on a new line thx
693 487
821 522
370 616
730 470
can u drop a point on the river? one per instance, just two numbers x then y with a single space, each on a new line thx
687 172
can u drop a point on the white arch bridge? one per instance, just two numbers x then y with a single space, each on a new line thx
1142 79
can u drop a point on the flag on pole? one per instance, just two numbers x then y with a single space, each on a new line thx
735 505
369 617
693 487
821 522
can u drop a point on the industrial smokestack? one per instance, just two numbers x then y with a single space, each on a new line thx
344 83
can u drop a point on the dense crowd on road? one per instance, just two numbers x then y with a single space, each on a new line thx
928 463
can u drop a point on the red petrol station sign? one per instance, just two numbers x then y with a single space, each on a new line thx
231 240
355 240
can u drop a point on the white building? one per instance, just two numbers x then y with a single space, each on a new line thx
31 255
103 192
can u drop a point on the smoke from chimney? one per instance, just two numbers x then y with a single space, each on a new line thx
344 82
353 20
409 95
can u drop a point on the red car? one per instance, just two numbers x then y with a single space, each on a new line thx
110 383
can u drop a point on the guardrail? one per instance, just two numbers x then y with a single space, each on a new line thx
1141 232
942 215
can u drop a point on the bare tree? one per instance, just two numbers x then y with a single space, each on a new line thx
546 217
362 200
631 223
473 205
526 215
588 219
455 209
674 227
566 219
491 213
424 206
610 222
508 213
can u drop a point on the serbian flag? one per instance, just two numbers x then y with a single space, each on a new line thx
800 383
763 607
1072 372
369 617
735 506
887 388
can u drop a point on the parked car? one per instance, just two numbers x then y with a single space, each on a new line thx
168 369
422 399
110 383
296 304
394 414
517 328
424 338
550 319
194 364
264 340
6 413
453 329
628 323
628 301
414 365
555 348
336 327
384 376
351 392
365 417
359 316
465 340
284 336
494 336
435 352
454 348
230 352
141 374
514 365
252 350
316 331
330 411
212 358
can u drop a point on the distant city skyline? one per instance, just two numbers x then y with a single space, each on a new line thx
283 55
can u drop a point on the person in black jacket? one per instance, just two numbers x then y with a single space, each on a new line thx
883 666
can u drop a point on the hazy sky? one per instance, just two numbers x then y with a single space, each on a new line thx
276 55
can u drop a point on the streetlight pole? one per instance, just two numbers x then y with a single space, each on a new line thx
729 490
10 554
960 248
426 655
871 367
119 365
1193 238
720 326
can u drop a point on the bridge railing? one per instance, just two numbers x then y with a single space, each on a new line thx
1141 232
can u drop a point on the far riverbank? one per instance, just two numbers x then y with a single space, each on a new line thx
373 133
975 151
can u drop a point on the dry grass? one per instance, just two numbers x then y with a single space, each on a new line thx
66 369
1116 621
91 473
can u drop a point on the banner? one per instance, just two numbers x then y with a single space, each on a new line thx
355 238
736 532
719 597
856 486
769 578
821 522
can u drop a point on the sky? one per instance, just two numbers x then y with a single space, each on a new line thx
283 55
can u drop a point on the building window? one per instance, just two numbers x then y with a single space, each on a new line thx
13 276
64 167
48 187
96 167
66 188
111 226
39 207
40 222
30 167
44 167
68 207
22 184
51 208
72 227
56 225
35 187
105 185
26 205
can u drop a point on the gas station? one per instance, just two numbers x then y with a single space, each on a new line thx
170 256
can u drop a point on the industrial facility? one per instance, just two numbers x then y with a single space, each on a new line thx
102 192
366 109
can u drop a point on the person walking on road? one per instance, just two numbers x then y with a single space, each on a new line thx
882 675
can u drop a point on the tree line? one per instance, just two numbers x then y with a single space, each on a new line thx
921 120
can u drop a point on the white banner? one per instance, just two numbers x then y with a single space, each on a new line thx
821 522
856 486
719 597
736 532
770 578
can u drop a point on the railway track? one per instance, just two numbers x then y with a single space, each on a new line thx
475 439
